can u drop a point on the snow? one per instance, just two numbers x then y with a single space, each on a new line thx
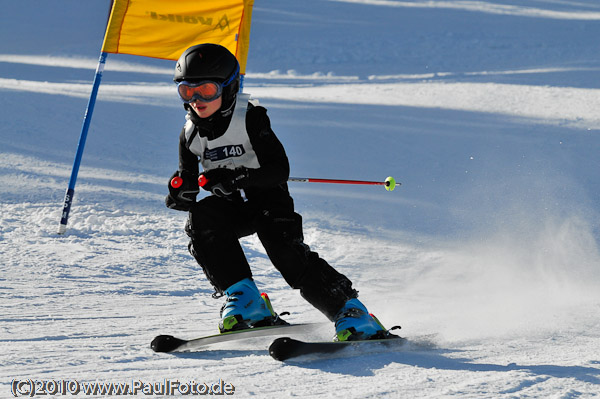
487 254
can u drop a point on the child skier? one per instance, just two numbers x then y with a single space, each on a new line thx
231 137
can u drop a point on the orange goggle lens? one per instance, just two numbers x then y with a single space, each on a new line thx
203 91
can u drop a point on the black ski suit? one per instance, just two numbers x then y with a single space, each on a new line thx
216 223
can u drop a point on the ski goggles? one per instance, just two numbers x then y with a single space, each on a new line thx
205 91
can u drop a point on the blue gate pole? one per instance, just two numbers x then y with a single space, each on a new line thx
80 146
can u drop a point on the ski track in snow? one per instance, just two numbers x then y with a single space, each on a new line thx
487 254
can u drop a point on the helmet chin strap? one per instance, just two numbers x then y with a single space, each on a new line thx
227 111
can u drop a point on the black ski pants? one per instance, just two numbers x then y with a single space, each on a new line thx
215 225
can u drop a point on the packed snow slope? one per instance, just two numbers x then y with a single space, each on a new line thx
487 112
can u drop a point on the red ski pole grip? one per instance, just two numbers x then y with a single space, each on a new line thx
202 180
176 182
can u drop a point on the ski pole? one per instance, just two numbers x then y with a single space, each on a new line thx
389 183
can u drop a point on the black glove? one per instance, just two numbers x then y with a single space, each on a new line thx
183 197
224 182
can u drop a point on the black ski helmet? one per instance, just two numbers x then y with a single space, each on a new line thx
210 61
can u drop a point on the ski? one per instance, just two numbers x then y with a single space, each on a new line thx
286 348
169 343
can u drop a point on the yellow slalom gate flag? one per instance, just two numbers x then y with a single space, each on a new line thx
166 28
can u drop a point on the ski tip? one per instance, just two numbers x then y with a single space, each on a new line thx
280 348
166 343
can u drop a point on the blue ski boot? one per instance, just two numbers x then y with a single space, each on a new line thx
246 308
353 323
